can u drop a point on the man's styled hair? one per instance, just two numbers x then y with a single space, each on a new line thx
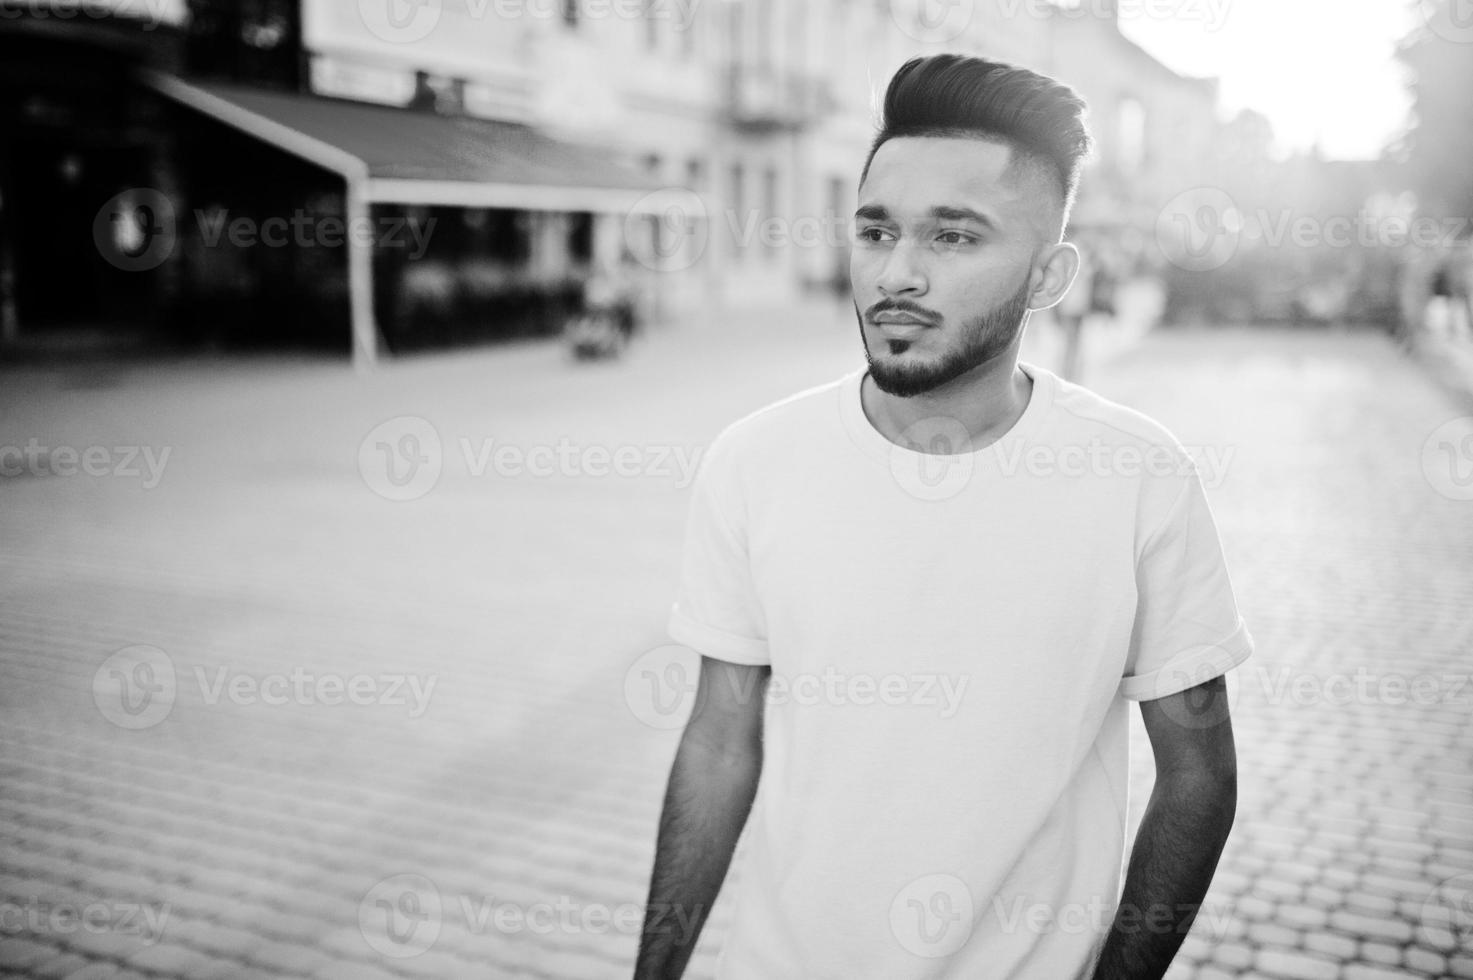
957 95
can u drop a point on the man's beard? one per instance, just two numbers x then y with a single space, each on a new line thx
984 338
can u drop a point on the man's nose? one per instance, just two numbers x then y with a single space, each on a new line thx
902 272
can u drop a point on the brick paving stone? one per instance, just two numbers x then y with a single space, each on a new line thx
1294 966
1426 962
1361 971
1382 953
1233 955
1272 934
94 971
61 966
1355 924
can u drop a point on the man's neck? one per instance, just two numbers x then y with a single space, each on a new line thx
988 401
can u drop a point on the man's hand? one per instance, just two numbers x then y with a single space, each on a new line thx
1182 833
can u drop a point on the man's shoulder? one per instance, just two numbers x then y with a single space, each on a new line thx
1087 415
783 422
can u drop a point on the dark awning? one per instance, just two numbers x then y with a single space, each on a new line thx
408 157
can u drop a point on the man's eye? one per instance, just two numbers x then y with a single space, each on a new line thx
955 238
873 234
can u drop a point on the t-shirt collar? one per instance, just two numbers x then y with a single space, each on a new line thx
876 445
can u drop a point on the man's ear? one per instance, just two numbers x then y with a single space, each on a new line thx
1053 273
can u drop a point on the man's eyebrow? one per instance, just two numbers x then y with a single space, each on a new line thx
878 212
945 213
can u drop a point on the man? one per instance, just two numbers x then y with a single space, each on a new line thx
924 596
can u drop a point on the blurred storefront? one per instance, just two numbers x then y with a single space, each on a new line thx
497 152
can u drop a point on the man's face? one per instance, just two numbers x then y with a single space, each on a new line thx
946 239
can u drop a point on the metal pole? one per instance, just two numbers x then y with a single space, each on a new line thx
360 278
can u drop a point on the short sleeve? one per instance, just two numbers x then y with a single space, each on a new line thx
716 610
1187 627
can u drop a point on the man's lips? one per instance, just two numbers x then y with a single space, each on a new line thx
900 319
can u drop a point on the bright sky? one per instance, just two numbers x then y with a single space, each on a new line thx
1319 69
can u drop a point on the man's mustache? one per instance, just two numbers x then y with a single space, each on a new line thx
902 306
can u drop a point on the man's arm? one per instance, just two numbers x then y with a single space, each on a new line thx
712 783
1182 832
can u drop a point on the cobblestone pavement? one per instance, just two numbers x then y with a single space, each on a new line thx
283 703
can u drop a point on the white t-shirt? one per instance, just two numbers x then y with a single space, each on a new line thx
954 642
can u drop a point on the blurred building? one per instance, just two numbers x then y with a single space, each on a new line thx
1156 130
502 148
